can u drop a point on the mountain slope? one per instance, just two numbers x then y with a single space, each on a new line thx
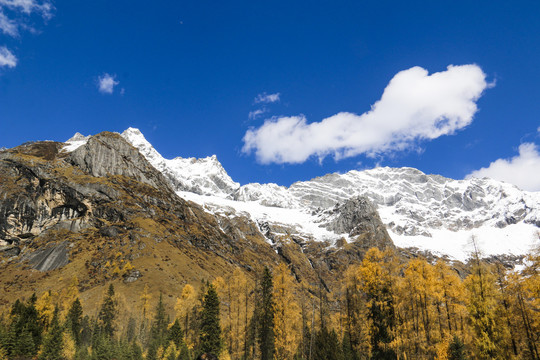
100 211
430 212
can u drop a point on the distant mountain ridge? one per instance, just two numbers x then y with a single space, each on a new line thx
429 212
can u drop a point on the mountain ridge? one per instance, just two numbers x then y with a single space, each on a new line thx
430 212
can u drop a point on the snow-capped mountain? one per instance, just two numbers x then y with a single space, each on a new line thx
429 212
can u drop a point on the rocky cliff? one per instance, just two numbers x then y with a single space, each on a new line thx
103 213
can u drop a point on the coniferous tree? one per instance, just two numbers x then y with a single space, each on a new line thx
86 331
265 315
136 351
287 316
377 279
210 333
82 353
131 329
456 349
23 336
102 347
32 321
175 334
484 309
74 320
327 346
53 344
25 344
107 314
159 325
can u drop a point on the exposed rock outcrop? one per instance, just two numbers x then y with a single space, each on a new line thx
358 217
109 154
50 257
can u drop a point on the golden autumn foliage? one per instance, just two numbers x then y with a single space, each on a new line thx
287 324
386 308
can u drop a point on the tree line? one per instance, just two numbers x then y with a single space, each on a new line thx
386 308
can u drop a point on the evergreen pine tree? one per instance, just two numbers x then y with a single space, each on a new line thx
327 345
25 344
107 313
184 352
176 334
456 349
151 354
102 347
265 315
53 344
86 331
210 333
159 325
82 353
136 351
32 322
74 320
131 329
347 349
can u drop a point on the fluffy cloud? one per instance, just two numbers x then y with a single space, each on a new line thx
7 58
414 106
106 83
267 98
521 170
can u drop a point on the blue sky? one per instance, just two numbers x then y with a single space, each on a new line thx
189 73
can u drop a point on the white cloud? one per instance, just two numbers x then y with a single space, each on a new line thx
521 170
8 26
44 8
11 24
256 113
267 98
107 83
7 58
414 106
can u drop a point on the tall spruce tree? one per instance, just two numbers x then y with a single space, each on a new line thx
456 349
327 345
159 325
210 333
107 314
265 333
24 333
175 334
53 344
74 321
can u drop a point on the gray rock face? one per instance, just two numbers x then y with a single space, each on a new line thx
9 251
358 217
109 154
32 202
49 258
132 276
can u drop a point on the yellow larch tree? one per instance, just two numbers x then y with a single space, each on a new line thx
183 308
378 273
484 310
287 319
69 348
238 287
355 312
45 306
68 296
144 329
